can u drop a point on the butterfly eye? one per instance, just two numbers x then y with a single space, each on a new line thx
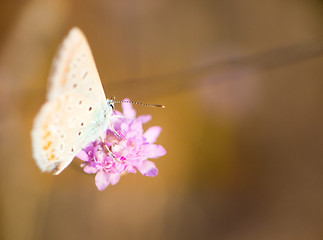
112 106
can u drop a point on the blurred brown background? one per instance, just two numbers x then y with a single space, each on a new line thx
242 82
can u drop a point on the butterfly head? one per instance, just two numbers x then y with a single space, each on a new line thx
111 102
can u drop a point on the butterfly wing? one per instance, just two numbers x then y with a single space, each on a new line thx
63 127
74 69
76 111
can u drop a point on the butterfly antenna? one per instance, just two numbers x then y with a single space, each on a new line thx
139 103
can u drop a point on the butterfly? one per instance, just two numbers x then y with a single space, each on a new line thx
76 111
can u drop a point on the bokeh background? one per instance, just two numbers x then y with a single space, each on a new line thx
242 82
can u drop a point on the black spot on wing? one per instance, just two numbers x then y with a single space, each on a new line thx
84 75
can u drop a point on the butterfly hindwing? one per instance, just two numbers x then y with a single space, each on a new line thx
63 127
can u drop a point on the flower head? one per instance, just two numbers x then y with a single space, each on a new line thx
125 148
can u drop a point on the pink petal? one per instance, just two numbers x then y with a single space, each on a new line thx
100 156
124 127
116 112
128 110
83 155
131 170
90 169
148 168
144 118
152 134
153 151
102 180
114 178
136 127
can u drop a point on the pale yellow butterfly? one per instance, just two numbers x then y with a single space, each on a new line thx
76 112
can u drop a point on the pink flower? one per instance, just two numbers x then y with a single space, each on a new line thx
126 153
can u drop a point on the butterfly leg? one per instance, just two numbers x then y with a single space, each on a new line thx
109 151
118 134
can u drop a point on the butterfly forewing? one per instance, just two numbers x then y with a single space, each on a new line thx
74 70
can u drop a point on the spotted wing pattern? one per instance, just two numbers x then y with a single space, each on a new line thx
76 111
